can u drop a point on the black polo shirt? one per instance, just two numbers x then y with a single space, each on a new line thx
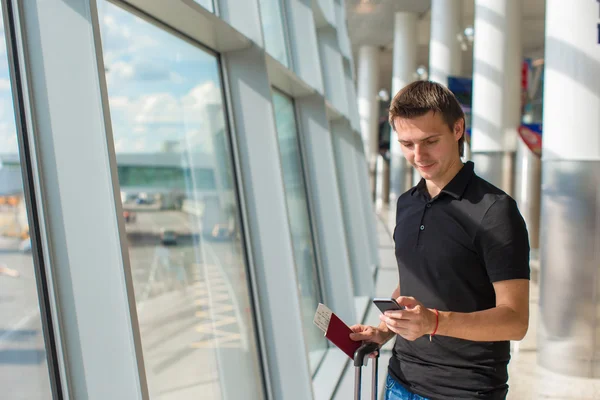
450 249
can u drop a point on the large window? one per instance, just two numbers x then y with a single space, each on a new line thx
274 34
181 213
299 218
23 366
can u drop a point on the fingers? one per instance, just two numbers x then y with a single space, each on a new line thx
357 337
406 330
413 313
407 301
394 321
402 331
407 323
397 314
361 332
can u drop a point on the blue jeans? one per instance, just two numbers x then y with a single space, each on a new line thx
395 391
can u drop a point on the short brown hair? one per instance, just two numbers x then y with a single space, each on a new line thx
418 98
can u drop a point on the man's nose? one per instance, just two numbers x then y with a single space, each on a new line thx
419 152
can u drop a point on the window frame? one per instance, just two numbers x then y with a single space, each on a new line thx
43 276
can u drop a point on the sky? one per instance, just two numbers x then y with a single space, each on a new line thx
160 87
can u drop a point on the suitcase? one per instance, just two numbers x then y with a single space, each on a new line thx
361 358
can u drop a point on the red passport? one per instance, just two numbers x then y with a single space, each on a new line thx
335 330
339 334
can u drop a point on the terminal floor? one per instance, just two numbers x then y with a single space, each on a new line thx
527 380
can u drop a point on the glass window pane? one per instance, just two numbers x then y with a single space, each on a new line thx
298 215
272 23
208 4
23 367
180 212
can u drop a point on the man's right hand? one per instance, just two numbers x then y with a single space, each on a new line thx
368 333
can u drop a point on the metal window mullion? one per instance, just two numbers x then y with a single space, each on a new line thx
245 231
309 201
35 211
350 190
286 33
71 142
267 220
320 164
302 39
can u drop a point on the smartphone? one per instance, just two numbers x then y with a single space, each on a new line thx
385 304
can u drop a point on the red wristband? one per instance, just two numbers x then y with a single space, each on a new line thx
437 321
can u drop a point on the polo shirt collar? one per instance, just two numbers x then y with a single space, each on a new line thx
456 187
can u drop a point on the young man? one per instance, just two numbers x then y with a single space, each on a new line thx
463 259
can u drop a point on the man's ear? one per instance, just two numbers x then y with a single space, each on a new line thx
459 128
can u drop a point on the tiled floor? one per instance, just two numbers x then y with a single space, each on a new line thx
527 379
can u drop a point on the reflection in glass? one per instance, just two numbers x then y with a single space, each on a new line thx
271 17
180 212
208 4
534 97
23 367
298 215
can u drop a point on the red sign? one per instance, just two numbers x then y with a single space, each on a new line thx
531 134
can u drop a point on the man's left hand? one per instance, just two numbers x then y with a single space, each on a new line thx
411 323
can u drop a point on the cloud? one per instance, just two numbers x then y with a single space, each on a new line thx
8 138
140 145
146 71
121 145
151 141
158 108
119 70
4 84
117 102
202 95
117 35
202 104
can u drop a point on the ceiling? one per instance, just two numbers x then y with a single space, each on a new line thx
371 22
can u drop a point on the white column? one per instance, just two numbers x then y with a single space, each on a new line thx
405 65
528 175
496 89
380 172
368 79
445 55
570 225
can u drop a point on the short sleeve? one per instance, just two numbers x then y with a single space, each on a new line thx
502 241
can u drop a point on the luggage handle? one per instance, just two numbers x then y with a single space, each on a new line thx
361 358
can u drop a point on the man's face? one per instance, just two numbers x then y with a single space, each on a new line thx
428 143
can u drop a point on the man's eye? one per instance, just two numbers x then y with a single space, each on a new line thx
408 145
432 142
